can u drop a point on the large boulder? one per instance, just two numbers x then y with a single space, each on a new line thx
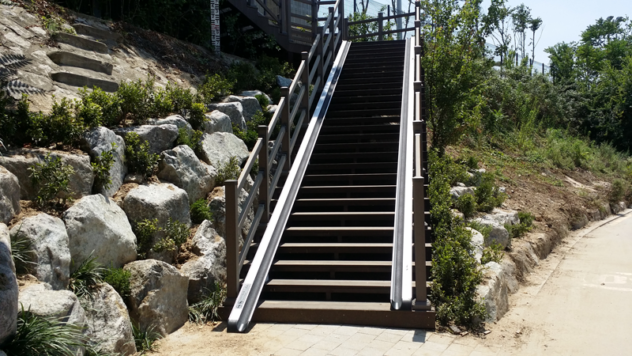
457 192
478 242
157 201
8 288
99 140
160 137
49 242
9 195
219 147
97 227
158 296
181 167
283 82
64 305
19 161
254 93
496 220
249 104
108 325
234 111
210 268
217 121
177 120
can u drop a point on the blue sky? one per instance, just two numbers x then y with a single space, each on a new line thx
564 20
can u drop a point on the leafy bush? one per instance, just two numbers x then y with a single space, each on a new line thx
101 166
89 112
37 335
200 211
181 98
51 178
229 170
525 225
22 252
206 310
145 231
194 141
214 86
197 117
493 253
251 134
87 276
244 76
136 100
139 159
110 104
269 68
263 101
118 278
485 230
161 104
487 194
467 205
617 191
176 233
145 339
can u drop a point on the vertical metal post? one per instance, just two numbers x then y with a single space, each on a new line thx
264 166
314 18
232 239
341 15
306 83
286 121
321 71
355 6
388 10
345 27
542 68
419 235
332 32
380 27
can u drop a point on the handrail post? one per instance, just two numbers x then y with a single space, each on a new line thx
314 18
419 235
380 27
345 24
320 71
332 32
307 84
286 121
232 239
341 25
264 166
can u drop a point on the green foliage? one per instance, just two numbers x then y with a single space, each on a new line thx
118 278
525 225
485 230
617 191
136 100
215 86
181 98
487 194
110 105
51 178
263 101
145 339
194 140
200 211
206 310
145 231
244 75
53 24
138 158
101 166
87 276
22 252
251 134
368 28
89 112
37 335
467 205
197 117
176 233
493 253
269 68
227 171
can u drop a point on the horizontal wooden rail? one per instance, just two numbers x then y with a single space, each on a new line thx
384 18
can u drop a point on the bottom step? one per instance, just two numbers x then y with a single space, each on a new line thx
340 313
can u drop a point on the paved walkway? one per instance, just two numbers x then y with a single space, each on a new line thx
578 302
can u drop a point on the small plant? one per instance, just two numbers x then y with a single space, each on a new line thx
200 211
145 339
487 194
467 205
118 278
176 233
229 170
38 335
214 86
471 162
206 310
197 117
87 276
251 134
493 253
60 126
110 105
161 104
525 225
485 230
101 166
22 252
194 141
263 101
617 191
89 112
139 159
51 178
54 24
136 100
145 231
181 98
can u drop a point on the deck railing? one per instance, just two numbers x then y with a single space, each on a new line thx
291 114
380 26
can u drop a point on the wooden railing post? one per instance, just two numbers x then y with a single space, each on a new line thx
264 166
287 122
321 70
332 32
380 26
232 239
305 80
314 18
341 25
345 31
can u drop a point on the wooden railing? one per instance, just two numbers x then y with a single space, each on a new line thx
380 26
291 115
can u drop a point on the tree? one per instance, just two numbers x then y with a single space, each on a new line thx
534 26
520 17
562 57
498 17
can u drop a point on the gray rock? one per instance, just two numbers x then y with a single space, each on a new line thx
160 137
283 82
108 325
157 201
9 195
97 227
49 241
177 120
19 161
158 297
497 220
478 241
249 105
494 292
457 192
100 140
210 267
134 178
459 184
8 288
219 147
217 121
181 167
234 111
61 304
254 93
501 217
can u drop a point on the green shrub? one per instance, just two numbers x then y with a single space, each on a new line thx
269 68
181 98
145 231
22 252
251 134
89 113
244 76
138 158
471 162
194 141
467 205
87 276
485 230
118 278
161 104
101 166
61 125
197 117
525 225
200 211
488 196
214 86
617 191
136 100
493 253
229 170
37 335
110 104
206 310
275 94
263 101
50 179
145 339
176 233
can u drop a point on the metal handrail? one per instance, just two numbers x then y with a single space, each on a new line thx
393 17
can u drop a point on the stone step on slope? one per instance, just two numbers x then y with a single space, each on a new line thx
81 42
64 58
80 80
96 33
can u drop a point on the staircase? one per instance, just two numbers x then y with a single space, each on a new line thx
333 264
